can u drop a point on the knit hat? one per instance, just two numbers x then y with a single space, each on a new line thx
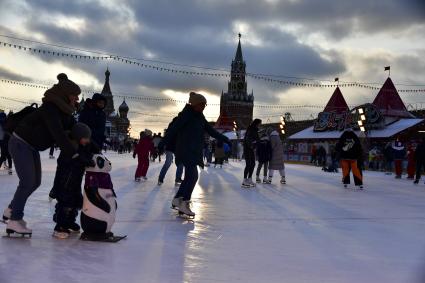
196 98
58 94
79 131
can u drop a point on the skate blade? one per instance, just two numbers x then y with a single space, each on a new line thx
185 216
60 235
112 239
10 232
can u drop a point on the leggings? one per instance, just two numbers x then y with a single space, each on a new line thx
250 163
260 164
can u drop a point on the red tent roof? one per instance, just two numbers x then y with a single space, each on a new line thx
336 103
224 123
388 101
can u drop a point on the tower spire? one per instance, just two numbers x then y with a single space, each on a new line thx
238 56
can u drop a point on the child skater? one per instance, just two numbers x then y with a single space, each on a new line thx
219 154
143 149
67 183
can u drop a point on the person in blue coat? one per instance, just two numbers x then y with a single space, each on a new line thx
187 132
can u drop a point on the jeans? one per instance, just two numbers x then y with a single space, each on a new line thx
28 169
166 166
189 182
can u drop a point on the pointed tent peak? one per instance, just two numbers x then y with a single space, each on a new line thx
238 56
388 101
337 103
106 88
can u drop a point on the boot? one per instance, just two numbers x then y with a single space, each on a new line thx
19 227
7 213
282 180
61 232
176 202
185 208
245 183
258 180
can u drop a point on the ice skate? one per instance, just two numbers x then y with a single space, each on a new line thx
160 183
9 171
74 228
267 180
137 179
144 178
258 180
108 237
7 213
251 183
184 209
246 183
283 180
416 182
178 182
61 232
176 202
19 227
345 186
51 157
361 187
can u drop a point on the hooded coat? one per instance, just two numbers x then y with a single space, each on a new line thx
95 118
187 131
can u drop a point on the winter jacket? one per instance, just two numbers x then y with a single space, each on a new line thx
277 162
349 146
47 126
95 118
251 137
144 147
399 152
264 151
188 130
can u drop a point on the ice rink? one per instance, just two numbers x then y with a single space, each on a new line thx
310 230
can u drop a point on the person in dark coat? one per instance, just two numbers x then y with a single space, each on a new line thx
67 183
38 131
420 160
264 155
350 150
93 116
188 130
249 143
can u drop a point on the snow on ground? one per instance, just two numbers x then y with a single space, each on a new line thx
310 230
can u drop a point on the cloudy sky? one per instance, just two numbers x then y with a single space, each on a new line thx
312 39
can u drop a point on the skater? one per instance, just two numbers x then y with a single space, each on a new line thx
187 131
349 149
219 154
399 153
36 132
4 144
249 143
264 155
389 158
410 162
143 149
67 183
420 160
170 149
276 162
156 139
93 116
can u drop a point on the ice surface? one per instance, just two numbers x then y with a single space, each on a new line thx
310 230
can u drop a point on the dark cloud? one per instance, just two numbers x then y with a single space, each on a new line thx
11 75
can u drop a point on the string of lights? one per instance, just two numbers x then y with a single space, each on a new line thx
159 66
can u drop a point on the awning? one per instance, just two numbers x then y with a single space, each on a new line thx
389 131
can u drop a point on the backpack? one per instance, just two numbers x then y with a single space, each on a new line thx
13 120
